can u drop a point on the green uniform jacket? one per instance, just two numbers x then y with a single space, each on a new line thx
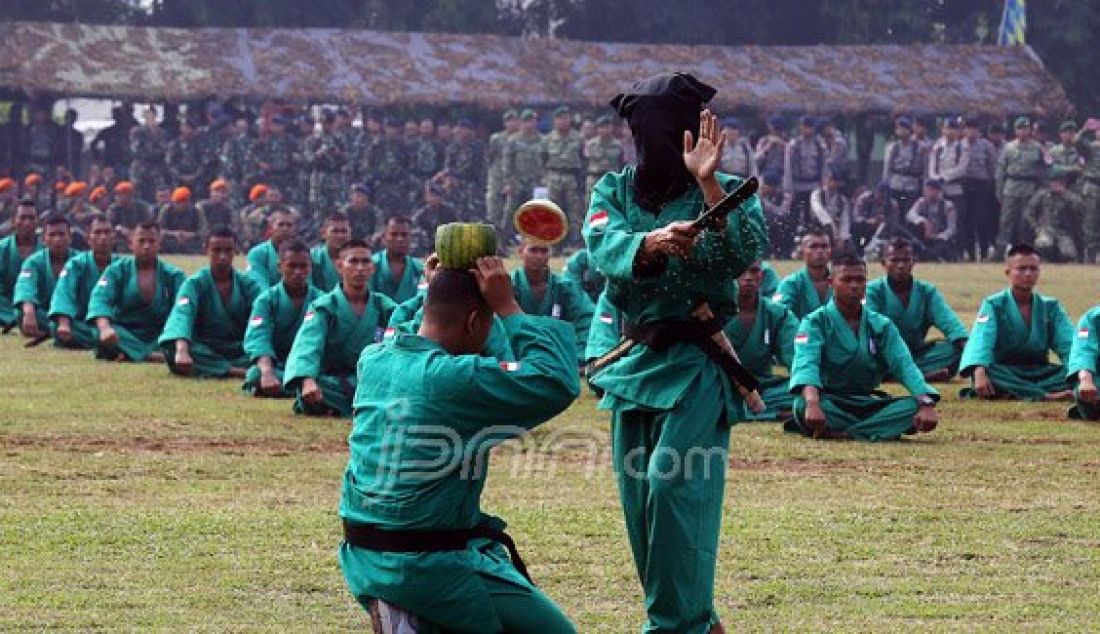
926 308
769 285
332 336
36 284
582 271
274 323
10 265
400 290
202 318
1001 336
797 292
75 285
768 342
562 300
408 316
1086 346
324 274
117 297
263 264
412 394
606 330
614 231
851 364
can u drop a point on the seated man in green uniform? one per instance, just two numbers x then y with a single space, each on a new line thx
276 317
1082 367
335 232
542 292
204 332
810 287
132 299
263 259
915 306
75 283
38 276
15 248
762 332
580 270
417 546
1007 355
842 351
335 329
396 273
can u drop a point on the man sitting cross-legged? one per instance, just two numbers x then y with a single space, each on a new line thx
263 259
417 546
915 306
396 273
39 275
762 332
335 231
335 329
204 332
1014 332
841 353
276 317
14 249
75 283
133 298
808 288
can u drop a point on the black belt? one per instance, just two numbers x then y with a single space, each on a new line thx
662 335
370 537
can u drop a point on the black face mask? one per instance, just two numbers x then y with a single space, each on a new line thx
659 110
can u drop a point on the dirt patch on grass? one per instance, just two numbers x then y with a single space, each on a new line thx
83 443
793 465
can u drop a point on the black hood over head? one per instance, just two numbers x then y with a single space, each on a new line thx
659 109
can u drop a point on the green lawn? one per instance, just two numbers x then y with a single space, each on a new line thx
132 500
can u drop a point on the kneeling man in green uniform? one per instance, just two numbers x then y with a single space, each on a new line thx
204 333
1007 355
842 351
418 549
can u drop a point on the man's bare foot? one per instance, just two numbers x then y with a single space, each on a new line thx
155 357
237 373
1064 395
938 376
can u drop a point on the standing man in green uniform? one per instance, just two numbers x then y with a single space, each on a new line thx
494 182
675 403
522 169
335 232
202 337
263 259
14 249
810 287
1007 355
915 306
417 545
396 273
277 315
335 329
603 153
581 270
69 304
1088 146
1020 170
132 299
763 332
39 274
542 292
842 351
563 150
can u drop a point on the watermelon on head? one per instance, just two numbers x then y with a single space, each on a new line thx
460 244
541 221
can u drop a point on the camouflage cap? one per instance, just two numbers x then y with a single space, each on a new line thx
1068 126
510 114
1022 122
561 110
605 119
528 114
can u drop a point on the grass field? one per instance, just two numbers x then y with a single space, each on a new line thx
133 500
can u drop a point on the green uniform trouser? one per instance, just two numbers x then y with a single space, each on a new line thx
777 396
1013 230
338 392
1090 191
252 382
129 344
861 416
85 336
562 188
937 355
208 362
1081 410
671 470
1022 382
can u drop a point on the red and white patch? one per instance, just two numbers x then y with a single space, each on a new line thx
256 321
802 338
309 316
64 273
778 297
389 333
423 286
509 366
1083 333
102 282
982 319
598 219
607 319
183 301
26 274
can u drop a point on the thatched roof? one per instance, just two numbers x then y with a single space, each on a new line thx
381 68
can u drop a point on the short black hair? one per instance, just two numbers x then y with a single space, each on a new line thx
98 217
398 219
57 219
848 257
222 231
280 209
897 243
818 232
1021 249
355 243
27 201
292 246
337 216
452 294
148 225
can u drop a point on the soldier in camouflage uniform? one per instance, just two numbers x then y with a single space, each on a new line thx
603 153
465 161
522 167
1064 155
1054 216
386 165
216 210
563 149
494 183
365 219
351 139
186 158
428 155
147 146
233 161
127 212
273 159
1020 171
1088 145
43 137
326 157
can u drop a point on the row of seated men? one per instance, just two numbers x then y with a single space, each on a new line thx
294 322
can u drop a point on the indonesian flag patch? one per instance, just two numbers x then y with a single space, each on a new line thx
309 316
778 297
183 301
802 338
607 319
102 282
1083 333
598 219
509 366
423 286
389 333
25 274
64 273
256 321
982 319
